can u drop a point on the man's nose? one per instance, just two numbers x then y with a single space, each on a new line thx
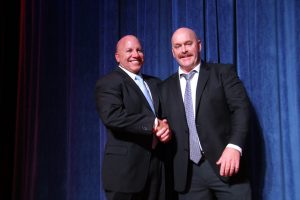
183 49
135 53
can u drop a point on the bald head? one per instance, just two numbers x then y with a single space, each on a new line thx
129 53
184 31
125 39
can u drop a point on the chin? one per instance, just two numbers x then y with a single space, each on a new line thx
187 66
136 70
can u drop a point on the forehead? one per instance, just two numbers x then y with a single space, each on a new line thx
130 43
183 36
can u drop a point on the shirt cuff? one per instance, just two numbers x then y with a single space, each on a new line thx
155 123
235 147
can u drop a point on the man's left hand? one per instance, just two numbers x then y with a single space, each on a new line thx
229 162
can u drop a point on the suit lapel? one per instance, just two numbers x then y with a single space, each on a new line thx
154 93
177 95
202 80
128 80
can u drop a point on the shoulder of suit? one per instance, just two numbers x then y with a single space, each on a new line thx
219 67
171 78
116 73
112 76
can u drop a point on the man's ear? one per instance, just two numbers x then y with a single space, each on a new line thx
173 53
199 45
117 57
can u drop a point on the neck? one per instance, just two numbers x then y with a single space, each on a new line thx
190 68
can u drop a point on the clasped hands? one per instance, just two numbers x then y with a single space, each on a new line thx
162 131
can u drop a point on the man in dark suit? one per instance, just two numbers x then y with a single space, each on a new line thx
207 109
127 107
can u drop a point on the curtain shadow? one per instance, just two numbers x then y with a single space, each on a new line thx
256 156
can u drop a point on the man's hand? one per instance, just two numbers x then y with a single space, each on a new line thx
229 162
162 131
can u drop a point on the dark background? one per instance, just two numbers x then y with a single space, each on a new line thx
9 12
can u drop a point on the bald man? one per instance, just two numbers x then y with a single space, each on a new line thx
127 102
208 111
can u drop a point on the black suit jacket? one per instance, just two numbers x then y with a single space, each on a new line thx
222 116
129 121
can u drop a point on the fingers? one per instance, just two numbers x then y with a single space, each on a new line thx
166 136
162 123
228 169
163 134
229 162
162 131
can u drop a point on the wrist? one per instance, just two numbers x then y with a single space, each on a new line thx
155 124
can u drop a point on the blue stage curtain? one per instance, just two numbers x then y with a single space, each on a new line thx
66 45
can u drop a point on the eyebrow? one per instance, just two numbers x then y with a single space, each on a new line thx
179 43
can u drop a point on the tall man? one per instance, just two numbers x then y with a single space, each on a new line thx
208 111
127 102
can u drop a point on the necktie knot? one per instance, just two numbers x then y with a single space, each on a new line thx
189 76
138 78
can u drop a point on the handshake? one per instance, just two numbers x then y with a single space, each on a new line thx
162 130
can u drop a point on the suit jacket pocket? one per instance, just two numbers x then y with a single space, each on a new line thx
118 150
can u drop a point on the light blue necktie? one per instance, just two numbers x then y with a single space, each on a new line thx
142 86
195 149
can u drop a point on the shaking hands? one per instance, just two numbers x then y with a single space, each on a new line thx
162 131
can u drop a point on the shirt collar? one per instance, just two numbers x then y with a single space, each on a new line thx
132 75
197 69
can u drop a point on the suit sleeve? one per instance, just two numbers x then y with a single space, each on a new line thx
239 106
114 113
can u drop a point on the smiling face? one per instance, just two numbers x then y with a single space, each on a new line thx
129 54
186 48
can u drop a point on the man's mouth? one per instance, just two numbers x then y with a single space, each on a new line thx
135 61
185 56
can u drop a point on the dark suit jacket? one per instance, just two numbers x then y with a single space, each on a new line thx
129 121
222 116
